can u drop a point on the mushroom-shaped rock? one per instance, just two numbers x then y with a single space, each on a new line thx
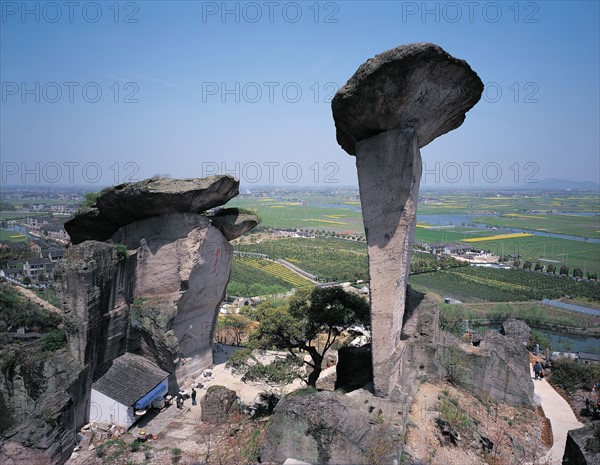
121 205
394 104
416 86
233 223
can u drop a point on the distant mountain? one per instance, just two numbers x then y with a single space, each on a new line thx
560 184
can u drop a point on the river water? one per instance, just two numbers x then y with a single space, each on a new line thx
466 220
560 342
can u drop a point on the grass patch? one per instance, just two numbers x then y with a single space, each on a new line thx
571 375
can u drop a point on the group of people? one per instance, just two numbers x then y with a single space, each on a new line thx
181 397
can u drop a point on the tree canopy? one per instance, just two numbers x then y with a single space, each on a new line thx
312 321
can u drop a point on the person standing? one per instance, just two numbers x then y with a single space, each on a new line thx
537 370
193 396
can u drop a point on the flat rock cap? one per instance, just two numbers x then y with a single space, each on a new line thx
121 205
416 86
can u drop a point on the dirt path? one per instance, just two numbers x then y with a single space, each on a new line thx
38 300
562 418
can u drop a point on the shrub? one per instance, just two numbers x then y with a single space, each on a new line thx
539 338
122 252
571 375
54 340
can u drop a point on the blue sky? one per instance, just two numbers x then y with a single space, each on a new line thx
105 92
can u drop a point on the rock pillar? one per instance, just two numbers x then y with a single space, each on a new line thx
389 172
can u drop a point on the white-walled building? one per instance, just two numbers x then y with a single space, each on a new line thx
132 383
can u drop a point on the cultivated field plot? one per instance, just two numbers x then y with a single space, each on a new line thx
534 314
12 236
10 215
329 259
444 202
548 250
254 276
298 214
472 284
574 225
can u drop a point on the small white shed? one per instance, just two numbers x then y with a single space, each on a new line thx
131 383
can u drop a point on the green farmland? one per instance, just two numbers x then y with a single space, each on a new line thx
574 225
475 284
298 215
548 250
253 276
329 259
12 236
470 202
11 215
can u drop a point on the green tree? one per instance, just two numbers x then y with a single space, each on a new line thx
539 267
564 270
279 372
537 337
577 273
311 313
89 199
527 265
233 327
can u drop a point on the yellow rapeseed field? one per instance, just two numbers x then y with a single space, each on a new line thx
497 237
326 221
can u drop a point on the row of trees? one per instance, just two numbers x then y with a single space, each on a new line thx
563 271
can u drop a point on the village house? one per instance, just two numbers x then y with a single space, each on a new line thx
33 267
55 231
123 394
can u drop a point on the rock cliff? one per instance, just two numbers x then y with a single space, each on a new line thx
153 289
583 446
36 405
329 428
350 429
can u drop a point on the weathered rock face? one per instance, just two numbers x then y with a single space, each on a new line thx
394 104
516 329
232 223
350 428
419 343
123 204
36 408
154 291
218 404
583 446
497 369
94 289
161 301
181 273
45 438
328 427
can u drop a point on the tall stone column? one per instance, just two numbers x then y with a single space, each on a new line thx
396 103
389 172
